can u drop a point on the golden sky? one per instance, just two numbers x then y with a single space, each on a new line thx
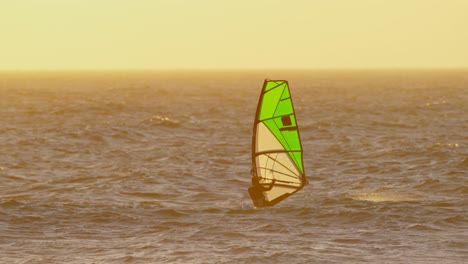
232 34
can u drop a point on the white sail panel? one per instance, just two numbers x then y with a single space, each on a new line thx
266 141
278 166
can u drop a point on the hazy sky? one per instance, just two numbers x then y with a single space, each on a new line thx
240 34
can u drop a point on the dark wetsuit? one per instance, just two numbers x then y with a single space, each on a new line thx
256 192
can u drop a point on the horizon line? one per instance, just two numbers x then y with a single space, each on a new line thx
236 69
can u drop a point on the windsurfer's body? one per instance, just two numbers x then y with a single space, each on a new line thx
256 192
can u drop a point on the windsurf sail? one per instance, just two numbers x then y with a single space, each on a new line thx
277 154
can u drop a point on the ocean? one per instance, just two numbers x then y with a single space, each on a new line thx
153 167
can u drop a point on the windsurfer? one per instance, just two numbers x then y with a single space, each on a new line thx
256 192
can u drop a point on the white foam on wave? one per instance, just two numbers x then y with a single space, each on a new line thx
384 196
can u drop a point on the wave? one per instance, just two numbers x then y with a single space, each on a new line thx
163 121
11 203
456 219
465 162
431 183
442 145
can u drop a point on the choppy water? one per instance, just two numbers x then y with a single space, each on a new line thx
153 168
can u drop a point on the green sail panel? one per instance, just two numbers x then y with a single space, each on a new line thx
276 145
